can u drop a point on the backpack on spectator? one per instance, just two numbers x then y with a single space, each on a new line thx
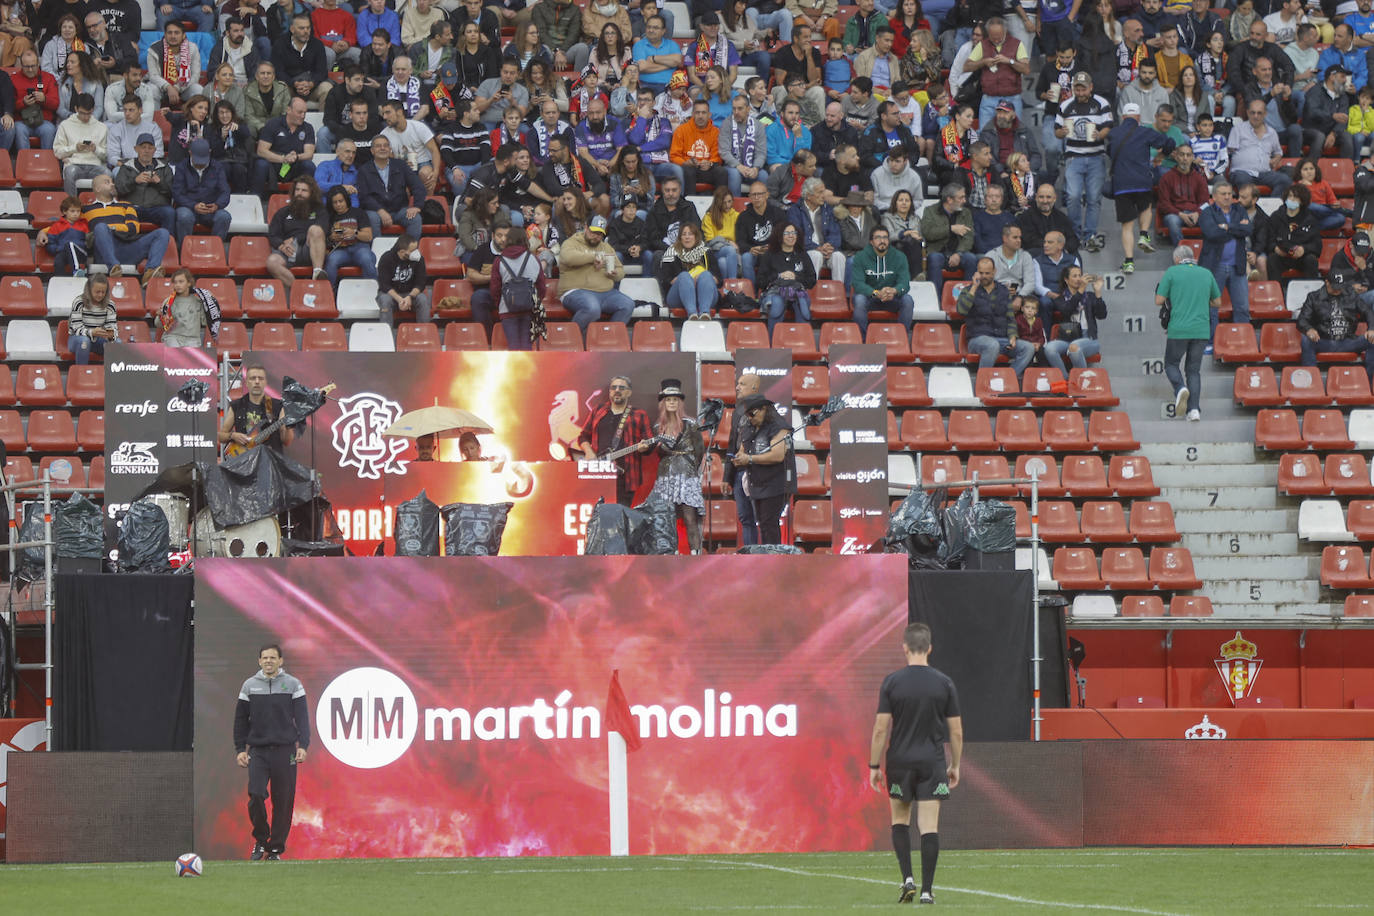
517 290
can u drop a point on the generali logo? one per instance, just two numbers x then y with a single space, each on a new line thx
368 718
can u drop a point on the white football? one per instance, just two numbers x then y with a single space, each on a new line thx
188 866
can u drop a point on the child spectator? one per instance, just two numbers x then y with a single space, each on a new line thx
1209 148
838 70
66 240
1360 122
538 238
1031 329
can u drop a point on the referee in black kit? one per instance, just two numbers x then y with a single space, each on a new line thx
271 733
917 708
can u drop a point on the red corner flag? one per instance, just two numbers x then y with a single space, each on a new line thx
618 717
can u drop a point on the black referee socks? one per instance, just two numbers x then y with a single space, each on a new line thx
901 845
930 852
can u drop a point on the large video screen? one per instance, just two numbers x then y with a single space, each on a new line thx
458 703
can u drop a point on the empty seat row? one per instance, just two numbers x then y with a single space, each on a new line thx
53 431
1102 522
1306 474
40 385
63 471
1125 569
1322 429
1105 607
1082 477
1346 567
1018 431
1302 386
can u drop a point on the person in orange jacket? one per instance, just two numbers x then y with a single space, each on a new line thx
696 148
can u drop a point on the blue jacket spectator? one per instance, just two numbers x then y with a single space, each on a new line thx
1353 60
799 216
784 141
369 22
200 180
332 173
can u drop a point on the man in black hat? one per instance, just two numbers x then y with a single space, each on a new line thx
1353 260
1324 115
765 456
614 424
200 193
1328 321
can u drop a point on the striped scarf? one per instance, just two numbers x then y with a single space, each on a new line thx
176 67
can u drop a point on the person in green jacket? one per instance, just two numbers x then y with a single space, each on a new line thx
251 101
1190 292
881 280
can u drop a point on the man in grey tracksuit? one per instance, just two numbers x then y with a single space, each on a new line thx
271 734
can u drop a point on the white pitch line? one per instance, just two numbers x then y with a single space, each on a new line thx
1011 898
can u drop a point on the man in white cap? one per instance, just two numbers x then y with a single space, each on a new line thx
1133 179
200 193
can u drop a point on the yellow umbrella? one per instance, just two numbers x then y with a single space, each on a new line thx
452 421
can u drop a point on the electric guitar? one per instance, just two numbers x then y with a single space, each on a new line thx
261 433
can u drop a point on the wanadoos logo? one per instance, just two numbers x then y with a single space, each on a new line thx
367 718
358 436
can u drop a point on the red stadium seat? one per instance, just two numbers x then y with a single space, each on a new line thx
1191 606
439 259
1267 302
225 290
1059 522
1142 605
52 431
1360 606
414 337
1152 522
1276 430
1302 386
313 300
45 207
942 469
933 342
1360 519
1279 342
608 335
1084 477
18 468
655 337
1063 431
1329 249
1300 474
563 335
1090 387
12 431
1340 174
1104 522
971 431
233 338
1075 569
795 336
892 336
450 288
751 335
1255 386
1348 475
991 467
40 385
842 332
924 431
1235 343
16 253
266 299
1018 431
1325 429
38 168
1171 568
1048 475
1348 386
248 255
1045 387
1129 475
718 381
204 255
996 386
65 471
906 387
7 385
722 521
1124 569
810 480
128 298
274 335
1345 567
465 335
23 297
722 437
742 286
810 385
828 302
324 335
1110 431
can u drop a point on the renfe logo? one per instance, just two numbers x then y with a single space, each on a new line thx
368 718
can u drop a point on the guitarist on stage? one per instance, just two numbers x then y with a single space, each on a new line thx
613 425
252 412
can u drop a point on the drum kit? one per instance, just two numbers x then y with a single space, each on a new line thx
261 538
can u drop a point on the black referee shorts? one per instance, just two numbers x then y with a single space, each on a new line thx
922 780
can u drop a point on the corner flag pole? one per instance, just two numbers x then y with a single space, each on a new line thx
621 737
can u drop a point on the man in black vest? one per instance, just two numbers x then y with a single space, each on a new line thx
252 411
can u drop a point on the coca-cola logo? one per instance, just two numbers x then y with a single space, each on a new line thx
869 399
177 405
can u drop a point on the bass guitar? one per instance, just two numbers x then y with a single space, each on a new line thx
261 433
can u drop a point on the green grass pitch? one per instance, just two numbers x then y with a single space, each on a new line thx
1147 881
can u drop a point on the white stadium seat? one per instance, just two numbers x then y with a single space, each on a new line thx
1322 520
927 302
62 292
950 386
1100 607
1361 428
27 338
370 337
706 338
246 214
901 473
357 300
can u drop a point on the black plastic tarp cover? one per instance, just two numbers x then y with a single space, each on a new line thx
474 529
661 538
417 527
770 548
256 484
916 528
299 402
143 538
958 521
994 527
615 530
78 528
31 558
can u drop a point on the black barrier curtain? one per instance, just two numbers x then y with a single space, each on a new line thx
980 627
123 656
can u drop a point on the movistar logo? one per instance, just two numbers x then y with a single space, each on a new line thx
942 790
895 789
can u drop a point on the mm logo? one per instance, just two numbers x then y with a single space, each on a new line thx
367 718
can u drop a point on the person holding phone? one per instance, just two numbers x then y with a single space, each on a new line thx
79 144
